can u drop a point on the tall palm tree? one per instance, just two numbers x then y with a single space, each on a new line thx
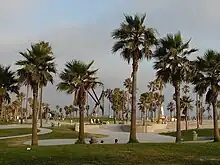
77 77
207 81
35 64
44 49
172 67
134 42
8 84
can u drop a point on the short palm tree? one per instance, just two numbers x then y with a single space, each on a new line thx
8 84
24 78
207 81
157 85
171 108
20 98
134 42
128 85
77 77
172 67
143 106
35 64
186 105
109 95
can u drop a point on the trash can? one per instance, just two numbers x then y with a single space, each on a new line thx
194 136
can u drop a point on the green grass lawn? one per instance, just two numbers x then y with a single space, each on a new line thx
187 135
14 131
103 154
64 132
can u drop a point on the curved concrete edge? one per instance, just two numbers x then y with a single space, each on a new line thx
42 131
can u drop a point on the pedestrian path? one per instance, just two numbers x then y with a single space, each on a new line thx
42 131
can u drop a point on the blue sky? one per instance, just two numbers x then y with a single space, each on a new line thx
81 29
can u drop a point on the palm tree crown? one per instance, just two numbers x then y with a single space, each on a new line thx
38 65
171 54
133 36
8 83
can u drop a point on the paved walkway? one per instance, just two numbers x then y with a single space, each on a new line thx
112 131
41 130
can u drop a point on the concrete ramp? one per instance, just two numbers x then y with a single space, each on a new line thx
112 127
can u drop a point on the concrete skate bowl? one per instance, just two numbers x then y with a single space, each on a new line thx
144 129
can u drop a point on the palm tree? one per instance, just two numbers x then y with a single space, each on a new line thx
116 104
44 49
72 110
171 108
143 106
134 42
157 85
24 77
172 67
35 64
67 110
109 95
16 108
78 78
207 81
20 98
185 104
128 85
8 84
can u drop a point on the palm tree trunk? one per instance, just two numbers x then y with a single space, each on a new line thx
1 107
133 136
147 114
103 103
82 102
215 119
81 125
186 120
34 141
201 109
109 108
160 105
26 106
144 118
115 117
197 111
178 113
22 116
40 106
